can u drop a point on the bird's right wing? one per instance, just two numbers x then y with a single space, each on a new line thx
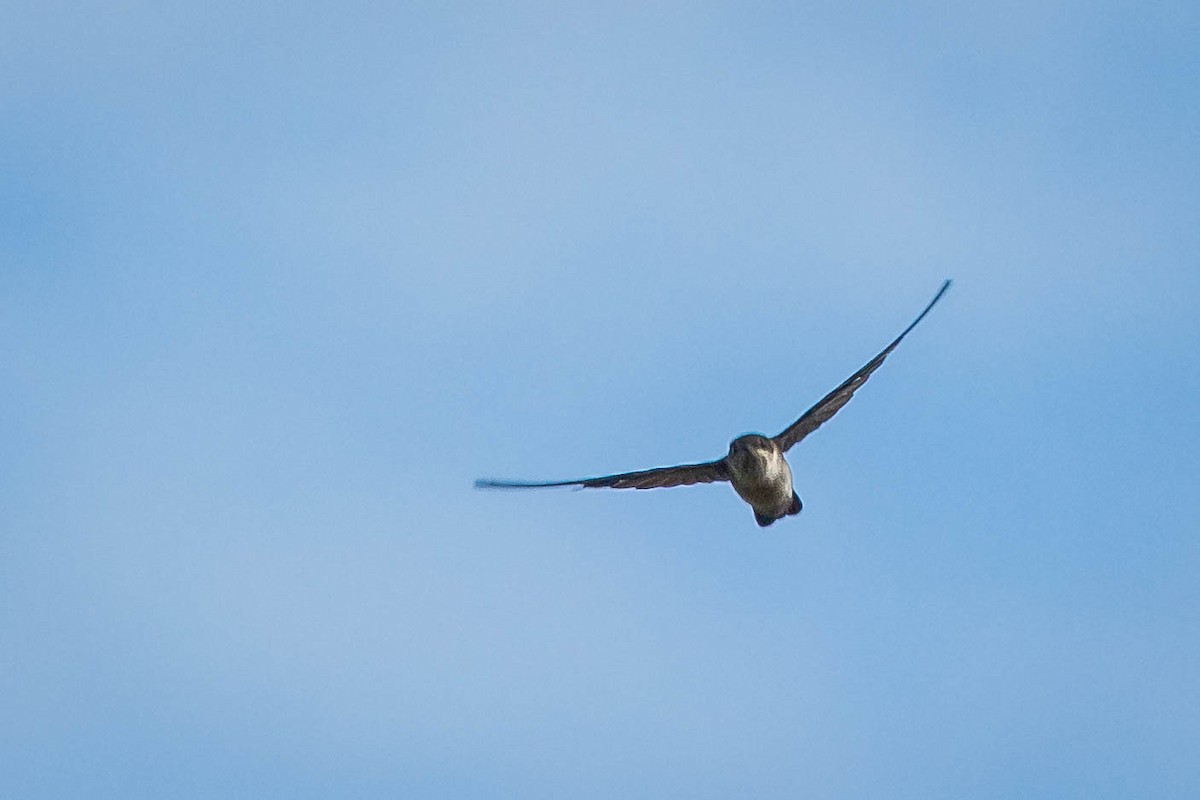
658 478
831 403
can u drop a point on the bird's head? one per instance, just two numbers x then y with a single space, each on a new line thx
751 442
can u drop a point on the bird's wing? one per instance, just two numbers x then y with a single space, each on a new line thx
660 477
832 402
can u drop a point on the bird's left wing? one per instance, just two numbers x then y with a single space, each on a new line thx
658 478
831 403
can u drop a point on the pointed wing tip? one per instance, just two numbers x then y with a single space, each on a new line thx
945 287
928 307
485 483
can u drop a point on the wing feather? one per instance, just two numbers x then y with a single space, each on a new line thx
658 478
831 403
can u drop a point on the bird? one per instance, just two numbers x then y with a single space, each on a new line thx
755 464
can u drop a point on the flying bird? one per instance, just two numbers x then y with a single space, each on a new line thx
754 464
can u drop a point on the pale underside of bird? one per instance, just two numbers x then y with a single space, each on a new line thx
754 465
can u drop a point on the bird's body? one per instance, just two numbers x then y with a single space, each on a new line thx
761 476
755 464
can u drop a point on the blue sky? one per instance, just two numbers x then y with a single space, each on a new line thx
277 283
